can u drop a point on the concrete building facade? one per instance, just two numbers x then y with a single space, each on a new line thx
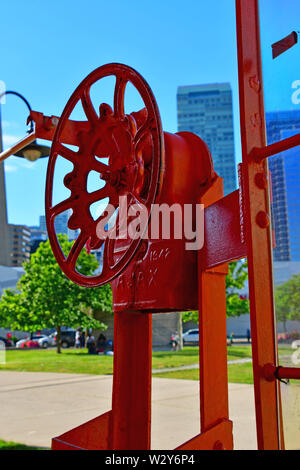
19 242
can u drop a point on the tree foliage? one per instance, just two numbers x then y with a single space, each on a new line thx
46 298
235 304
235 281
287 300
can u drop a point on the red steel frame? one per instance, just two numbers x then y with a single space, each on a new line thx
257 222
256 183
238 226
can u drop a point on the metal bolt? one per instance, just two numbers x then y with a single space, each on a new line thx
261 180
263 219
54 121
218 445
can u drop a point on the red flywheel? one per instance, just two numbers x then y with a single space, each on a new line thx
132 144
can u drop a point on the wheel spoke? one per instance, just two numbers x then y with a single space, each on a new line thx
119 96
96 243
108 252
88 106
116 228
65 152
146 128
61 207
98 166
76 249
99 194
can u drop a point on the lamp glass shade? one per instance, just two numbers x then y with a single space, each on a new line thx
33 151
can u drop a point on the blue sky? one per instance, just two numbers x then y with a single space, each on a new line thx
49 47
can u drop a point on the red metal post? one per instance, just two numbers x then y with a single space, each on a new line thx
258 227
212 336
131 402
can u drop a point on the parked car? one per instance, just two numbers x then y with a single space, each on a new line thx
43 340
67 338
19 344
27 343
191 337
8 342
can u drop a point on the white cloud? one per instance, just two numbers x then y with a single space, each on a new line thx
6 124
9 140
27 164
16 164
9 168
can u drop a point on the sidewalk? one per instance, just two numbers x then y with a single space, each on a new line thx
37 406
196 366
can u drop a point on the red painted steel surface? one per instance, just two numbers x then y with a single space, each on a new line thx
130 172
131 400
163 275
272 372
218 437
213 337
223 232
92 435
258 232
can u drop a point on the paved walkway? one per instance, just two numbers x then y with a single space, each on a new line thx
36 406
196 366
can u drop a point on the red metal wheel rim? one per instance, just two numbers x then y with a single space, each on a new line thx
124 75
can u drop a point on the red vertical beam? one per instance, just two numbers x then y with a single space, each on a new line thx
213 336
131 401
257 223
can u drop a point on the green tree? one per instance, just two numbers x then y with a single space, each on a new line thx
287 300
235 304
235 281
282 305
294 296
46 298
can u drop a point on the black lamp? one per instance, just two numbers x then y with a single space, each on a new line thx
32 151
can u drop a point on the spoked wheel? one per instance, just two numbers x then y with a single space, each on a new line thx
133 145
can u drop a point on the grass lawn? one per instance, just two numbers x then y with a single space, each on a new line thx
79 362
72 361
237 373
9 445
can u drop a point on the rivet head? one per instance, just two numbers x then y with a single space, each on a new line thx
218 445
254 83
263 219
54 121
261 180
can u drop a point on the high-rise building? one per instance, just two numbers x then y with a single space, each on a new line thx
19 238
285 175
36 237
61 225
43 225
206 110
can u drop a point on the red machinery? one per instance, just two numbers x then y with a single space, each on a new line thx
157 275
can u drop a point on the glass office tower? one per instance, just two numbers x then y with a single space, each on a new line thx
206 110
285 174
